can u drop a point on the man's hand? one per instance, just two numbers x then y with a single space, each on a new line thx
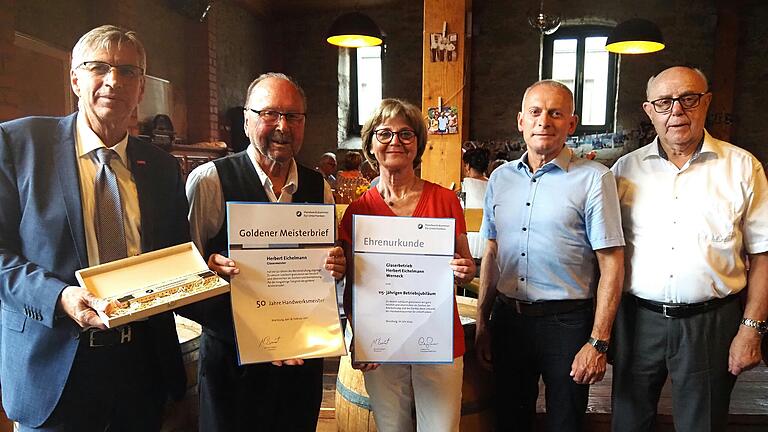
588 366
745 350
336 263
483 347
81 306
289 362
222 265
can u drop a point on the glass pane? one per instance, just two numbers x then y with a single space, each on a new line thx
564 62
368 81
595 81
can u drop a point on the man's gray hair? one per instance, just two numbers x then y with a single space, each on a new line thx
107 37
653 78
328 155
550 83
277 75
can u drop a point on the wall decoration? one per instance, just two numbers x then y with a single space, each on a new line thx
443 120
444 46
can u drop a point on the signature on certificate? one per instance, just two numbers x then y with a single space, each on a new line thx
380 342
426 343
269 342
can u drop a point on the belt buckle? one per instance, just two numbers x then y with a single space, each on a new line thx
91 342
664 309
126 334
517 306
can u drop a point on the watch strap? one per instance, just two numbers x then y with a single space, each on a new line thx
760 326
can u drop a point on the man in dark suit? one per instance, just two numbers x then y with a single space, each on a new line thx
61 368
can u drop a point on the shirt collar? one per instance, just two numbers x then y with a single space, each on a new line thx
87 141
291 183
708 144
562 161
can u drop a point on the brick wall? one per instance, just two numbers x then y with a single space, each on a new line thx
8 95
202 83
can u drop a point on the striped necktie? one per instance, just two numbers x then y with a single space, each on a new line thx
108 214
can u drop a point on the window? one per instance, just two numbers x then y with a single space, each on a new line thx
576 56
365 85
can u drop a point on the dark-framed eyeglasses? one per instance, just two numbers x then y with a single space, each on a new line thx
273 117
385 135
689 101
100 68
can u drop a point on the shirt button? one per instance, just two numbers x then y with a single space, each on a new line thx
671 276
533 180
522 279
523 254
528 204
525 229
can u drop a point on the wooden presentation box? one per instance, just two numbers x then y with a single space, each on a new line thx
151 283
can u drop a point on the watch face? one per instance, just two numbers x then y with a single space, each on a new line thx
600 345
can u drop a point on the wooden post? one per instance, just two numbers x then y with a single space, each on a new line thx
445 83
721 123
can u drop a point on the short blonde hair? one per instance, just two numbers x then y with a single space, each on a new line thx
105 37
389 109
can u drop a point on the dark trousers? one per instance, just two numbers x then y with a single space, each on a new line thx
258 397
525 348
111 388
693 351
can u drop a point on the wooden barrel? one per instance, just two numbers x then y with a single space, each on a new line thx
182 416
353 406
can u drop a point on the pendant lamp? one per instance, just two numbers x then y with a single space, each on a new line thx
354 30
635 36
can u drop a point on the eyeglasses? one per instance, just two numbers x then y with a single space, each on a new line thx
273 117
689 101
100 68
385 135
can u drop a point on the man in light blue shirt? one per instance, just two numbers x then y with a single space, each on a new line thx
553 269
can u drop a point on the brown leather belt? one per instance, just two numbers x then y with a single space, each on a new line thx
543 308
682 310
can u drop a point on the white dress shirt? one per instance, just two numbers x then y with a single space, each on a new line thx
86 143
688 230
206 201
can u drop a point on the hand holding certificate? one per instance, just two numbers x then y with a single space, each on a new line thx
403 295
283 299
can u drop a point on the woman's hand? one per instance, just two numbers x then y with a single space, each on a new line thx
464 269
336 263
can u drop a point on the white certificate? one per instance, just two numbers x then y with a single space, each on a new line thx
283 300
403 291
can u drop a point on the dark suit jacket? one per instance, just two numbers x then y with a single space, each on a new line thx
42 244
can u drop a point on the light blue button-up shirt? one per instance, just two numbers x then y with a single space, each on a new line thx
548 224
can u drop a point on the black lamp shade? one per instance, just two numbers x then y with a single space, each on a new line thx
354 30
635 36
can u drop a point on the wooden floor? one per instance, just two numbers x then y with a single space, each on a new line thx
748 412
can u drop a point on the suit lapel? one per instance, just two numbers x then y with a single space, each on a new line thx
145 189
65 161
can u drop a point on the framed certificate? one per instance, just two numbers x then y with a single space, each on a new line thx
284 302
403 289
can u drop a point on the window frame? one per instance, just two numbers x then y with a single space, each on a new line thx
580 33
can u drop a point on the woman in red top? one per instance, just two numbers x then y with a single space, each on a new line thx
394 139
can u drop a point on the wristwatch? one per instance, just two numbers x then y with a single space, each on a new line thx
760 326
600 345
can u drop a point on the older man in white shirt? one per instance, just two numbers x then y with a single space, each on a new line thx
695 216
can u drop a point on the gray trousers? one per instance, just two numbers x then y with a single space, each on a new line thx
693 351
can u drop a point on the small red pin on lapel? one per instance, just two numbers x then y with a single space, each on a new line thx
140 162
